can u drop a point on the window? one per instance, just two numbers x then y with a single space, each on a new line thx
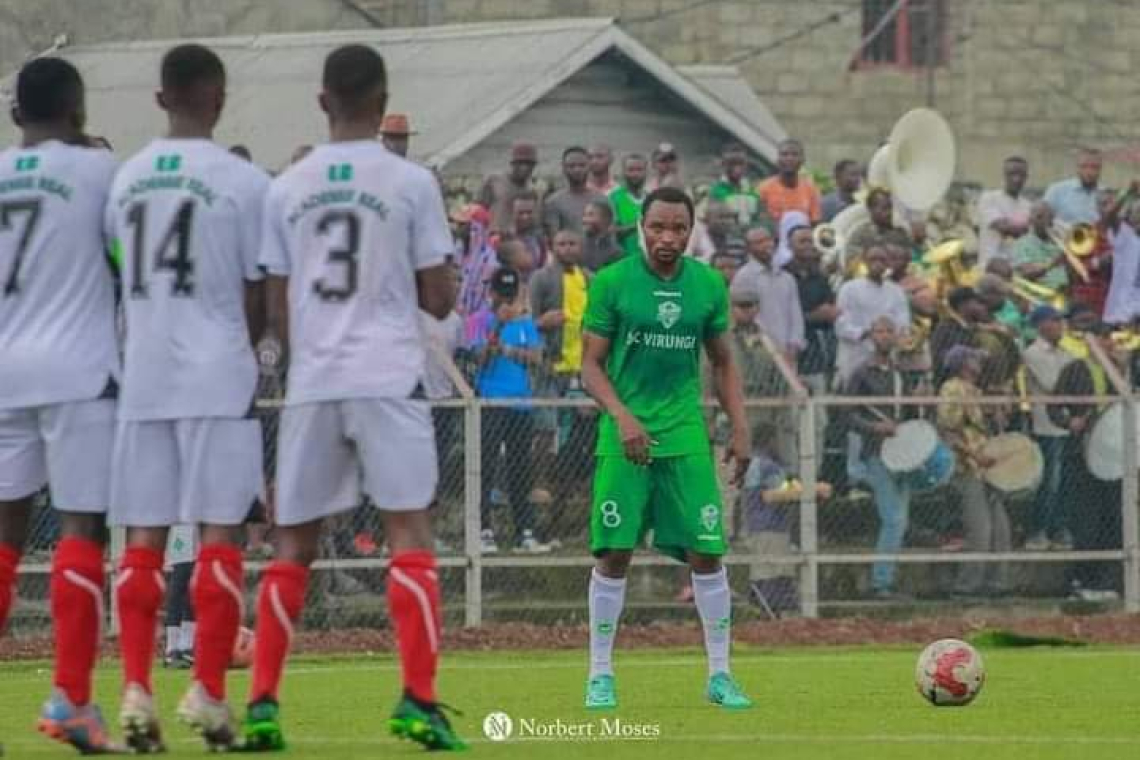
912 38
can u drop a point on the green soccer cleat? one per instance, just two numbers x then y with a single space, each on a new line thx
425 724
726 692
600 693
261 731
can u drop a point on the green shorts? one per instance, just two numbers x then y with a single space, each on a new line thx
677 497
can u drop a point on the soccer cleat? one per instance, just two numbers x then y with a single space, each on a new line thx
81 727
726 692
179 659
210 718
261 731
600 693
139 721
425 724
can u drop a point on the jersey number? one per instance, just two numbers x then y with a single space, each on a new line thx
172 253
29 209
346 255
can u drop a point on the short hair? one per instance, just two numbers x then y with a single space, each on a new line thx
790 142
604 207
186 67
668 194
959 297
732 147
1016 160
1089 151
884 319
48 89
352 73
876 193
574 149
843 165
634 157
567 231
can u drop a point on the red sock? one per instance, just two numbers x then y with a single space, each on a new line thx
413 603
218 608
279 605
9 558
77 615
139 590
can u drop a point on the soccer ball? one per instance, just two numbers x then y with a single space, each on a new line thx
950 673
242 656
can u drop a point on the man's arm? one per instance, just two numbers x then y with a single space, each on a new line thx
635 441
730 395
435 290
277 310
255 306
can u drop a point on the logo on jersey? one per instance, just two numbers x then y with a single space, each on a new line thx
27 163
668 312
710 517
171 163
340 172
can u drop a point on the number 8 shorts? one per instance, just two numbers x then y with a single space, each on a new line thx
677 497
330 452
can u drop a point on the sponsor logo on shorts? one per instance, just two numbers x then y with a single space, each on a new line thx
710 517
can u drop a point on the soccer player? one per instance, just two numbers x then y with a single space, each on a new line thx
185 215
647 320
355 244
58 368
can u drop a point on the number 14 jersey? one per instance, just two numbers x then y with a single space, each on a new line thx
185 220
350 225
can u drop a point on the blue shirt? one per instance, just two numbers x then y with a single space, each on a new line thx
502 377
1072 202
764 473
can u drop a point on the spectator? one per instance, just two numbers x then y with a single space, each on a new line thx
396 133
626 200
718 233
666 168
817 302
1074 200
1044 360
788 190
181 549
848 178
780 316
860 302
792 220
881 230
1082 320
513 253
507 347
526 229
1093 290
1036 256
564 209
477 259
1122 304
733 188
499 191
958 327
728 264
600 181
599 245
1003 312
1004 215
878 376
962 425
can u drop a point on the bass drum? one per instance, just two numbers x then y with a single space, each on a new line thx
1018 464
918 457
1104 446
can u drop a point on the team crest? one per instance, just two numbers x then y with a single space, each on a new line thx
710 517
668 312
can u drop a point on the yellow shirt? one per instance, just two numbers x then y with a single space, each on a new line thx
1074 343
573 310
962 422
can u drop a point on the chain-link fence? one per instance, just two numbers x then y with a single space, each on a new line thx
1038 520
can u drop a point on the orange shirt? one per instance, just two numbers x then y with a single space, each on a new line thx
779 198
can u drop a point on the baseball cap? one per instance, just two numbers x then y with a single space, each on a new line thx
664 149
396 124
1043 313
505 282
524 153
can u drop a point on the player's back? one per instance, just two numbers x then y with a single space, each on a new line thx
350 225
57 309
185 216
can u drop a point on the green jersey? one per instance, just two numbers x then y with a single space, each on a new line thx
627 213
657 329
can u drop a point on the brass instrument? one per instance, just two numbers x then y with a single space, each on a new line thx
1127 339
1037 294
1077 241
949 273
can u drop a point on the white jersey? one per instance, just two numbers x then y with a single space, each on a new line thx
185 217
350 225
57 301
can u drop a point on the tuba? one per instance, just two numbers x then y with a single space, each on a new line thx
917 163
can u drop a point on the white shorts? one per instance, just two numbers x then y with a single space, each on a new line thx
328 452
67 445
197 471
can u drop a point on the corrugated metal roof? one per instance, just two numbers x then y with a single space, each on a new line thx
460 83
728 85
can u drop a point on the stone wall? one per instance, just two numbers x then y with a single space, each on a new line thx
1034 77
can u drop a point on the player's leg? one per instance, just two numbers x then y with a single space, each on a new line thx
396 444
688 517
15 516
23 472
145 487
617 521
79 438
221 462
317 477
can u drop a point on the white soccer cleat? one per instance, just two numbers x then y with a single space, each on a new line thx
139 721
211 718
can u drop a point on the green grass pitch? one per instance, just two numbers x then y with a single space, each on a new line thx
833 704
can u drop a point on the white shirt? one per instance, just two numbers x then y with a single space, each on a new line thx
780 315
1123 302
57 303
992 206
185 216
350 225
446 335
860 303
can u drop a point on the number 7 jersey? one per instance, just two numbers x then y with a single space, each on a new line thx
350 225
185 220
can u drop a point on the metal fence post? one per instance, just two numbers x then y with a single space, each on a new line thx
1129 497
809 524
472 520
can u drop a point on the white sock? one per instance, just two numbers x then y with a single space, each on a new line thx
607 597
173 638
714 604
187 636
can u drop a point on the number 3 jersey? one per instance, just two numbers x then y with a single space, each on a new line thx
185 218
350 225
57 306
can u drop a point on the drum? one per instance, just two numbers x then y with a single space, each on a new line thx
917 455
1104 445
1018 464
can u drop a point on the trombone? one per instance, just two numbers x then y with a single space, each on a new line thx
1037 294
1077 241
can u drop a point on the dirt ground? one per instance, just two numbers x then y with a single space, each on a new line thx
1097 629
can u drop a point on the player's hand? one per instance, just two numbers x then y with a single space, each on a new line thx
634 440
740 450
